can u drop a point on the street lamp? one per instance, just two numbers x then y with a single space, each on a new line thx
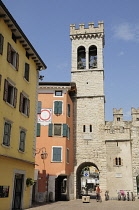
44 154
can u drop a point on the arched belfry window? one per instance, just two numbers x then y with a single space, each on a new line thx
92 57
81 58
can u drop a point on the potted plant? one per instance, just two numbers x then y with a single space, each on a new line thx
29 182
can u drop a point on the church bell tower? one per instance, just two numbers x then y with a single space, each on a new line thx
88 73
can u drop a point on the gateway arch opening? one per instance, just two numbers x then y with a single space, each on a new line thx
87 178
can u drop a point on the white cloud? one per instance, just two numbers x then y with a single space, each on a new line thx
127 32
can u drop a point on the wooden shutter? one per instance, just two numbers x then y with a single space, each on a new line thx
9 53
39 107
5 93
56 107
7 131
57 154
15 97
65 130
17 61
21 102
38 129
59 107
1 43
50 131
28 107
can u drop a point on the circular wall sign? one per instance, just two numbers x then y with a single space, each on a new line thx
45 115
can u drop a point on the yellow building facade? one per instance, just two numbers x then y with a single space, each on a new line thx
19 73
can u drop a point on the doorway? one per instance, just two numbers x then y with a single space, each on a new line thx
61 188
87 177
18 191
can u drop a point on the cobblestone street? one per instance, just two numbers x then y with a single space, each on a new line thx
79 205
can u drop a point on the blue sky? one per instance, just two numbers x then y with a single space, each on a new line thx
46 24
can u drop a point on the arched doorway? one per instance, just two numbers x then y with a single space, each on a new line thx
87 177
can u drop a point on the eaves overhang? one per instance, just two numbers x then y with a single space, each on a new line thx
12 24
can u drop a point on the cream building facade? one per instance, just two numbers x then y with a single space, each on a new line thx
112 148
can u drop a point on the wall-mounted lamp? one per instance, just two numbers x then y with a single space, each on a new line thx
44 154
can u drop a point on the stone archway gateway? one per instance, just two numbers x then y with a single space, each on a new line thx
87 177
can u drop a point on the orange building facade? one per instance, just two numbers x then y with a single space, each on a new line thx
54 143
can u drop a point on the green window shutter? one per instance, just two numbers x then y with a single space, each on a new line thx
65 130
56 107
38 129
7 132
39 107
57 154
59 107
50 131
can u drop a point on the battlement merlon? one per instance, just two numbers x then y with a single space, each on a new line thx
90 30
117 111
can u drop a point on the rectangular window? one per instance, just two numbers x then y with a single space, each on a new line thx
83 128
67 156
68 110
57 154
58 107
1 44
10 93
90 128
68 133
22 140
7 133
57 129
24 106
26 73
12 56
58 93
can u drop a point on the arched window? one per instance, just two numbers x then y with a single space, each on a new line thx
92 57
81 58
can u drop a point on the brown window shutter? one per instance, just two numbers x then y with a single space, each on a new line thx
21 102
15 97
17 61
5 90
1 43
9 53
28 108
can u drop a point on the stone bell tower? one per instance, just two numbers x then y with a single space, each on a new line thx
88 73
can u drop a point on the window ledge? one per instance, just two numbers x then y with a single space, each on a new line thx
26 80
56 161
24 115
7 147
20 151
9 104
13 66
